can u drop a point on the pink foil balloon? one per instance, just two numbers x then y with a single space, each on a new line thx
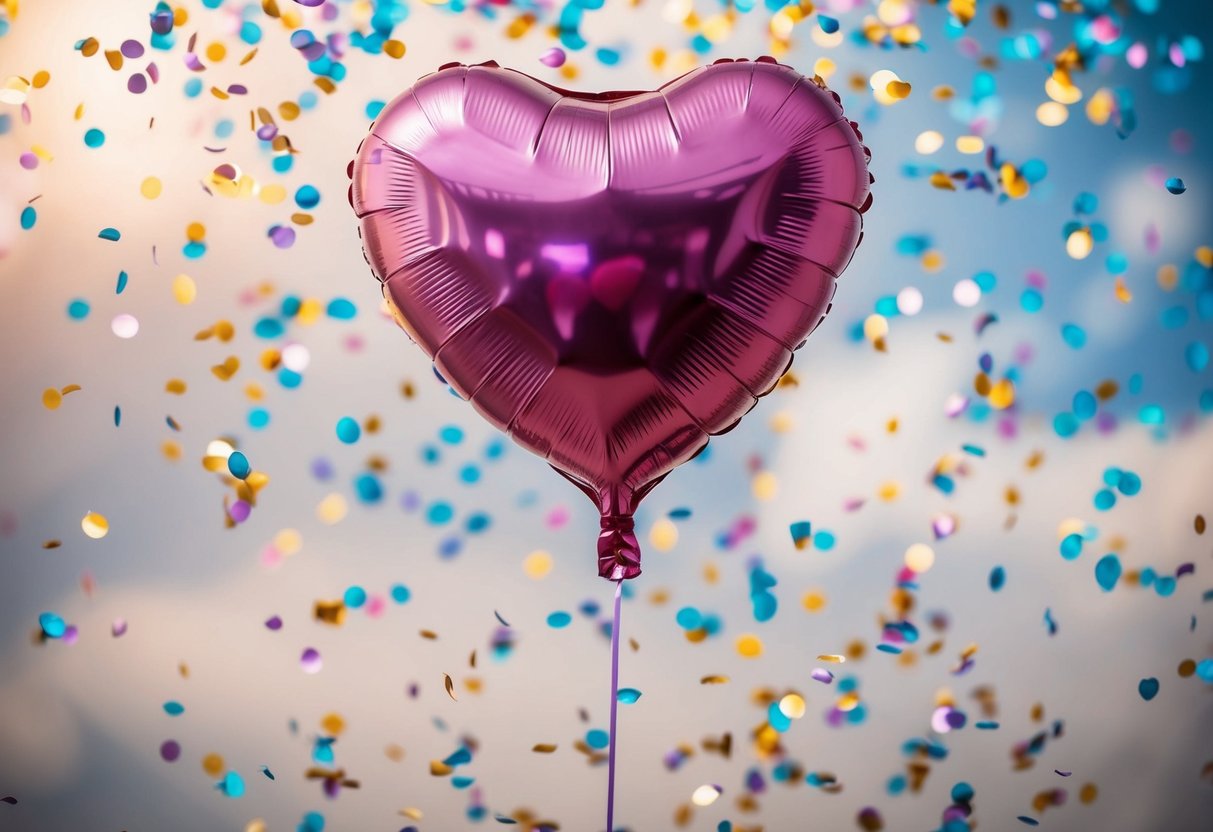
611 278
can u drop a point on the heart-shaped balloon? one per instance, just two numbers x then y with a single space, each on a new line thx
612 278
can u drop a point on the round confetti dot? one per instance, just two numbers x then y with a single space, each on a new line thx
94 138
765 486
238 465
998 578
966 293
663 535
310 660
348 430
150 188
170 751
792 706
307 197
749 646
400 594
354 597
559 620
537 564
554 57
78 309
212 764
51 398
125 326
689 618
909 301
919 558
332 509
95 525
52 625
596 738
814 601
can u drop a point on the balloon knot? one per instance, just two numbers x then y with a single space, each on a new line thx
618 550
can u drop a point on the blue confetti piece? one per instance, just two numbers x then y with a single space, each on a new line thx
52 625
174 708
238 465
1074 336
559 620
689 618
348 430
628 696
1148 688
111 234
597 739
998 578
1107 572
1176 185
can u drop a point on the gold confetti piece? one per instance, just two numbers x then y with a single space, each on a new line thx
171 450
1199 524
175 386
394 49
970 144
248 57
714 680
150 188
919 558
1080 243
832 658
472 660
814 600
412 813
333 724
184 289
543 748
183 670
329 612
114 58
212 764
229 368
41 79
537 564
332 509
256 825
439 768
429 635
51 544
1052 114
705 795
898 90
1122 290
51 398
1002 395
394 753
765 486
749 646
941 180
95 525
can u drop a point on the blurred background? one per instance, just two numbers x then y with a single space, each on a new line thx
984 483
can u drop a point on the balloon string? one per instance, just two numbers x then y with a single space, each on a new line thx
614 708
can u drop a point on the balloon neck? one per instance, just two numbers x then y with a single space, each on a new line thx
618 550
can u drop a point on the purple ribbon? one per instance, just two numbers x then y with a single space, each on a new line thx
614 708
